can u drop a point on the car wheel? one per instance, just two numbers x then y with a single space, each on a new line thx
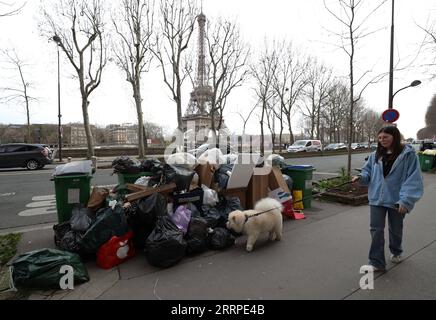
32 165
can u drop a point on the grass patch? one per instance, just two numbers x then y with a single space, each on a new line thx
8 247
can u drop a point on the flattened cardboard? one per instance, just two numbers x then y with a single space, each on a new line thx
242 172
277 181
205 174
257 189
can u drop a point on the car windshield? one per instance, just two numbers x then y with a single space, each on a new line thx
299 143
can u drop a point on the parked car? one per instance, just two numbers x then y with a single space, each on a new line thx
306 146
373 146
358 146
30 156
336 147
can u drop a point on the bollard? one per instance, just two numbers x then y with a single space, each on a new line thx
69 159
94 163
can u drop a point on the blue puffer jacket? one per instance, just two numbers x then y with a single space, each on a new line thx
403 185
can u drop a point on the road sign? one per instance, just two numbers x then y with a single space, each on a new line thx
391 116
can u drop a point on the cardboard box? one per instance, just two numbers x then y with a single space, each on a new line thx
257 189
205 174
277 181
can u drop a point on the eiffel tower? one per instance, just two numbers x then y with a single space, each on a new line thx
201 98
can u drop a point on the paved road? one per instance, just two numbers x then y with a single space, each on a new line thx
27 198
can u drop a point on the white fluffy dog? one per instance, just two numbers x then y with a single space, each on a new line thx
266 217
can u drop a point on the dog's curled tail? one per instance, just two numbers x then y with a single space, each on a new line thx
268 204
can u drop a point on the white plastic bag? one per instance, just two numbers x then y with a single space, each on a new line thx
184 160
210 197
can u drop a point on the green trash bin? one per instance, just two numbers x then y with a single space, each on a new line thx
426 161
70 191
302 177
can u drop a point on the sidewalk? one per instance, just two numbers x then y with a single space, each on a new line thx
319 258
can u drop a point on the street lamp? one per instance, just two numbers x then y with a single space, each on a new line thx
413 84
58 41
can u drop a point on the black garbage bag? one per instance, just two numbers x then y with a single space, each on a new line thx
108 223
126 165
289 182
71 242
213 217
230 204
195 212
221 177
81 219
220 239
219 215
151 165
41 269
142 217
196 238
165 246
162 175
60 230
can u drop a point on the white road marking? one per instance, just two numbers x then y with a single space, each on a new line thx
327 174
24 173
8 194
41 204
37 212
44 198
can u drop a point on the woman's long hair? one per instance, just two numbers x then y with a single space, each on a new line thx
397 147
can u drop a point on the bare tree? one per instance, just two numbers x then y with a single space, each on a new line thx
18 92
134 28
372 123
77 27
289 83
177 21
246 118
336 107
263 73
228 56
429 44
353 31
8 9
318 85
272 110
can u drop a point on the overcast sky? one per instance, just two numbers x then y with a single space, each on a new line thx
306 23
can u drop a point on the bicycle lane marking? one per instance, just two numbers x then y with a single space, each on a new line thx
41 205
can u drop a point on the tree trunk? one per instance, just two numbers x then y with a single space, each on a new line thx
262 136
179 108
138 102
28 121
212 118
88 132
291 134
281 130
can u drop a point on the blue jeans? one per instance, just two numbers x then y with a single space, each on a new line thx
378 221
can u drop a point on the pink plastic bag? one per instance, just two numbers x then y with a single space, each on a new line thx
181 218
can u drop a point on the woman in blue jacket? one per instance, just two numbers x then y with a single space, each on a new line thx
395 184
